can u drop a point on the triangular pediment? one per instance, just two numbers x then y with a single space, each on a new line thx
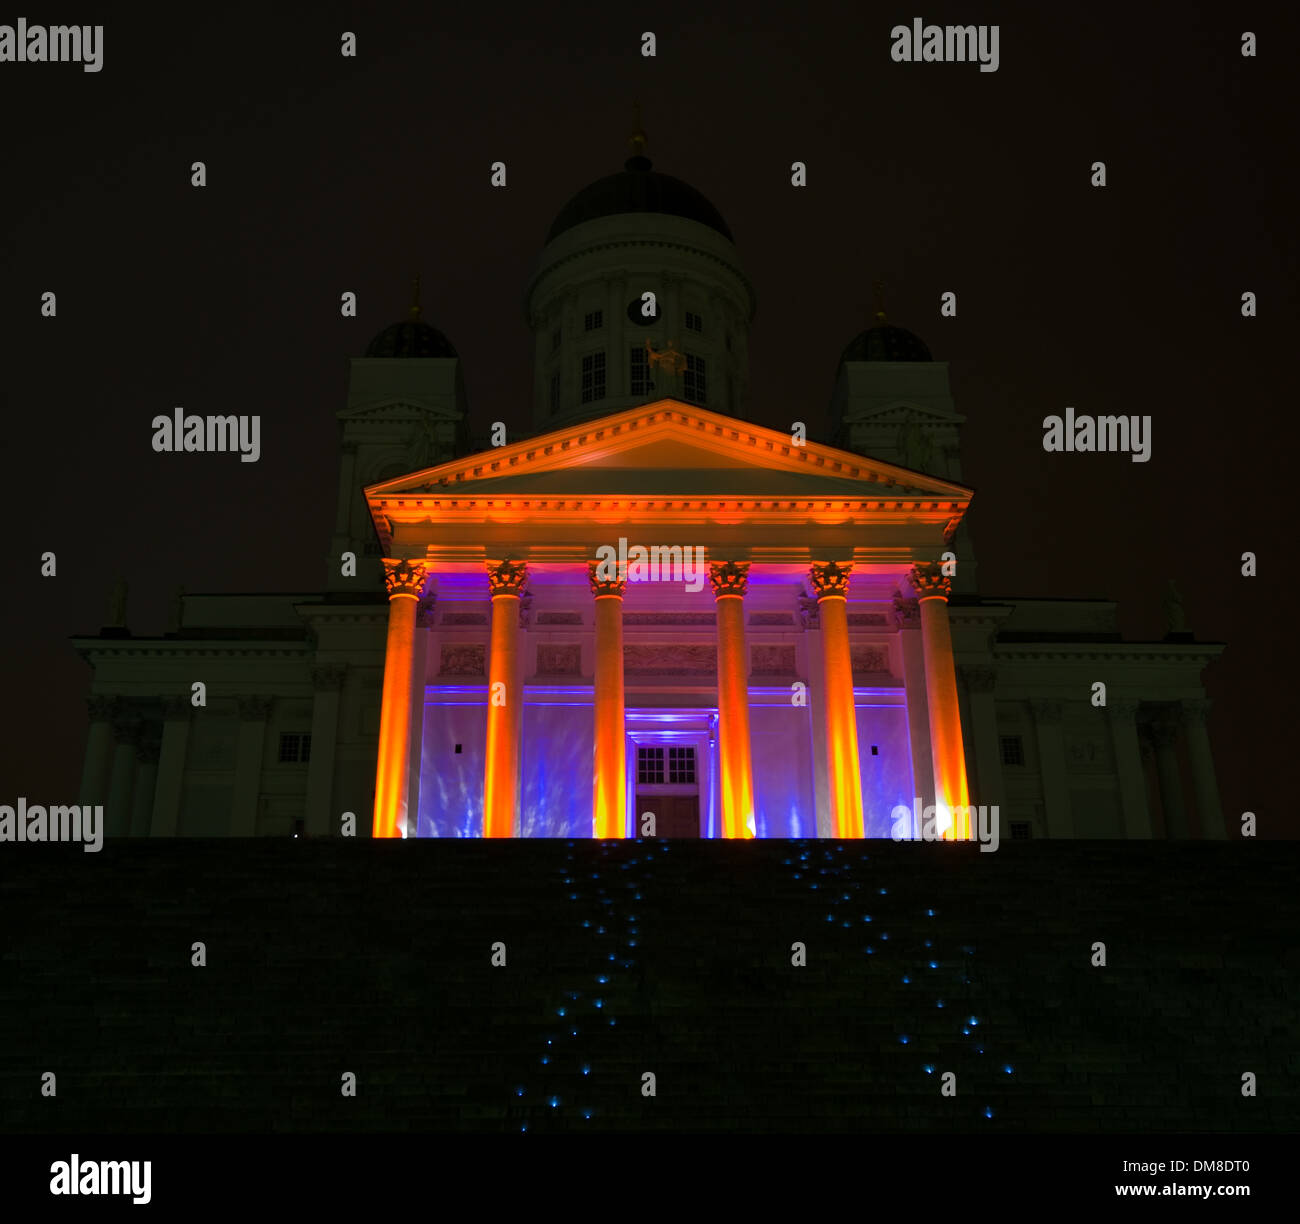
902 412
395 408
668 448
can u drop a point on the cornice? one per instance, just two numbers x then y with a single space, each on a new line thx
162 648
1093 651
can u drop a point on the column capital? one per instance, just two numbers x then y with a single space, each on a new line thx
255 707
907 612
1046 712
102 709
979 679
604 586
506 578
405 577
728 577
328 679
829 579
1196 710
177 707
1162 728
928 580
1123 707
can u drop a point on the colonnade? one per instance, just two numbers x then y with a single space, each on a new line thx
408 580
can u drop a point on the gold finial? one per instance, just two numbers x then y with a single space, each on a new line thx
880 301
637 141
415 299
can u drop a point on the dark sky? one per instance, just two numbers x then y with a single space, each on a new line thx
328 174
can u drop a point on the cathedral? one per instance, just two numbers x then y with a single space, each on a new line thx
647 616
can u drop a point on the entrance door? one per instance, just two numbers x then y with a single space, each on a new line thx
675 815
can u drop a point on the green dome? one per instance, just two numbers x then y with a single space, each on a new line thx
884 342
638 189
410 338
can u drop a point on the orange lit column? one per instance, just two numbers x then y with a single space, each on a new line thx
831 584
406 581
729 582
609 786
950 790
501 771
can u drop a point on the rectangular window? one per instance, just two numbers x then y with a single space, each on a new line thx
555 392
649 766
295 747
594 320
1021 830
1013 750
681 765
694 322
640 366
694 388
593 377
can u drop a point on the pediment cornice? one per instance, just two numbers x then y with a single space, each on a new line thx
397 408
673 437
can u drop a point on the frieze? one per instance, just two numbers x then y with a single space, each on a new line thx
868 660
777 660
559 618
559 660
670 659
670 618
462 660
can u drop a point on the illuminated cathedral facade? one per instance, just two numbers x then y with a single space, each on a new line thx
648 615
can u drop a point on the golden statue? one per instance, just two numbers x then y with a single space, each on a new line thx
667 357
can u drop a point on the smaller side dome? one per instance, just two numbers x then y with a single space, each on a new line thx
885 342
410 338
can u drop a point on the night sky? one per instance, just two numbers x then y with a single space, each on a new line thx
329 174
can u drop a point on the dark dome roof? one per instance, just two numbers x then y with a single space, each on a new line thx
410 338
884 342
638 189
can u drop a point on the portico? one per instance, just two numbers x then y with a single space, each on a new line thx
768 653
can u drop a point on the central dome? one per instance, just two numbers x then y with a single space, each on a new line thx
639 189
